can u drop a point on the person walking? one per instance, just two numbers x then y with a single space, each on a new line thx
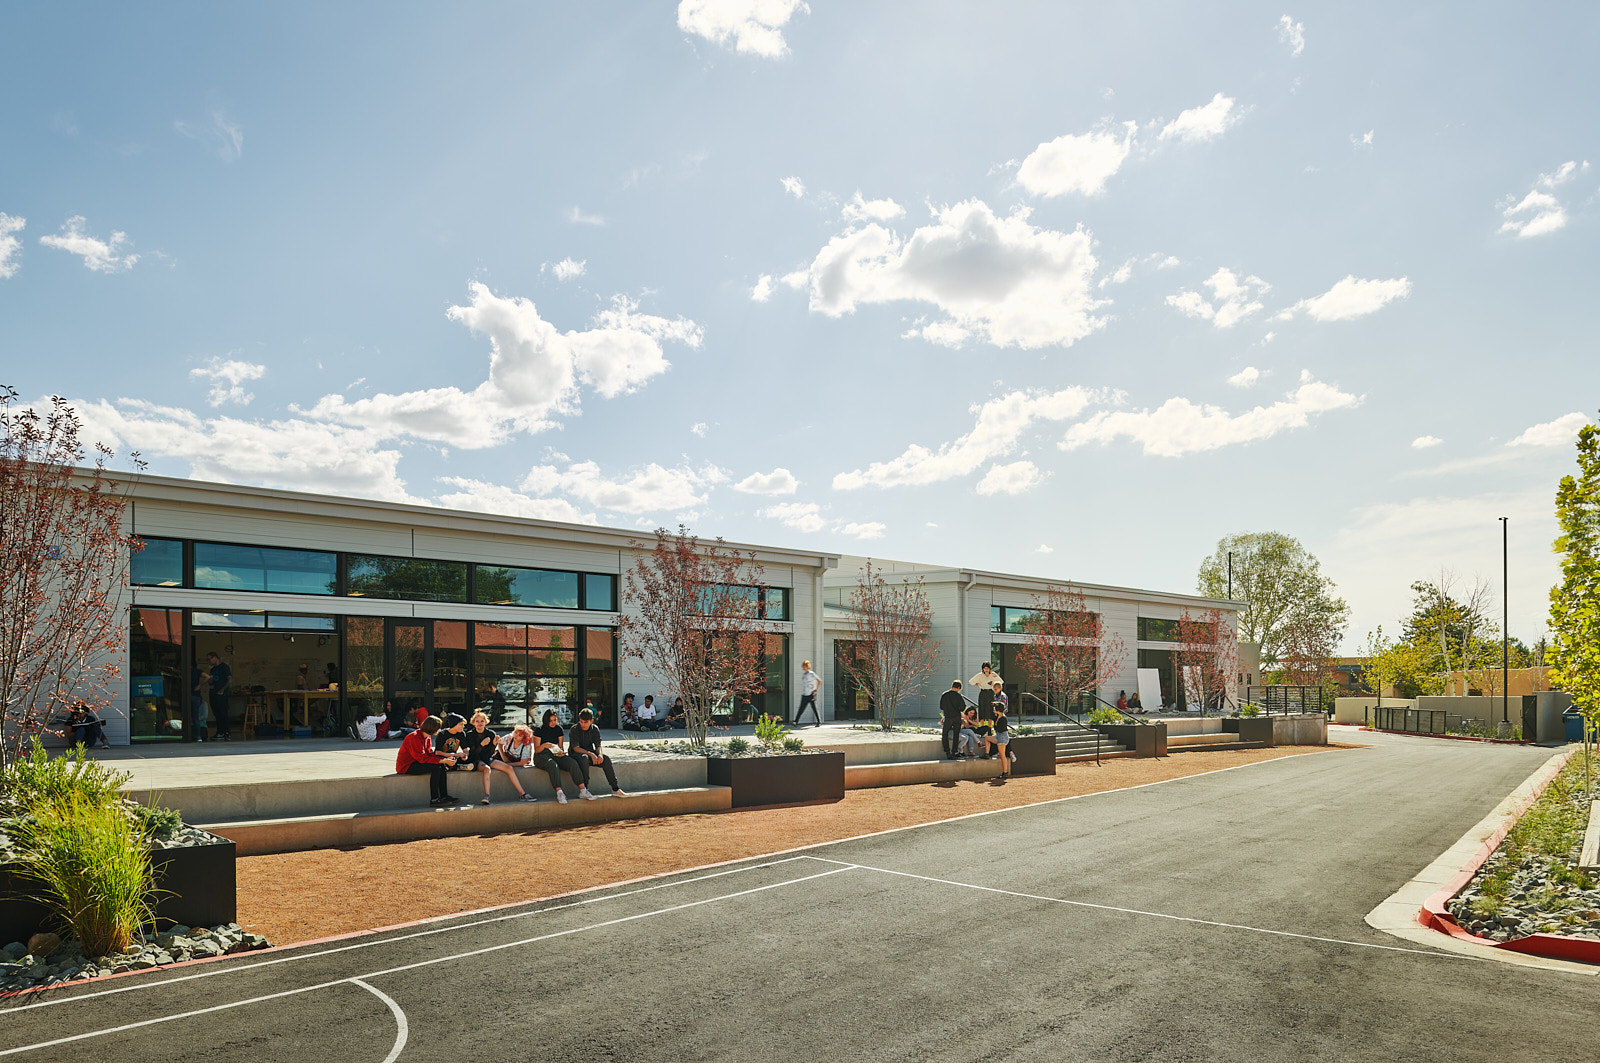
810 683
951 704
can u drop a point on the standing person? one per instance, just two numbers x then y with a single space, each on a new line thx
417 757
986 680
809 685
199 681
221 687
549 755
951 703
1002 737
585 750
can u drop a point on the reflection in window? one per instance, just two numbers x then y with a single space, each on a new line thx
537 588
364 660
241 620
156 692
1153 630
258 568
600 593
159 564
411 578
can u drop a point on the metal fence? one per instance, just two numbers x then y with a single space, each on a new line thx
1417 721
1278 700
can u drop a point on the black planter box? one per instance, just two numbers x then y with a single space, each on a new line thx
1036 754
1142 739
200 878
779 780
1250 728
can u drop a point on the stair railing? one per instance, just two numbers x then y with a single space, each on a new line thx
1069 721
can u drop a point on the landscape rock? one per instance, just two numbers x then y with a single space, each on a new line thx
43 944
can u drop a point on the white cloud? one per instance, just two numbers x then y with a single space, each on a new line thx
295 454
1350 298
1424 442
103 256
1245 377
227 377
1016 478
700 428
779 481
1000 423
10 246
1556 433
1076 162
1167 262
534 372
1232 299
1044 548
1121 275
806 516
867 530
221 133
1000 280
1362 140
1540 212
794 186
859 209
567 268
1180 427
763 289
753 27
577 217
484 497
647 490
1293 34
1206 122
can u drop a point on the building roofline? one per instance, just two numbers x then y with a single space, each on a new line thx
945 573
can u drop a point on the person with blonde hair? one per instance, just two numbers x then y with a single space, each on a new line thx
482 746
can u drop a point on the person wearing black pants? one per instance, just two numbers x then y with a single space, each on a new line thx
221 687
553 760
809 685
585 751
416 757
951 705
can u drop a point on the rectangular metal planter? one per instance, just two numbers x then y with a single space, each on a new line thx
1036 754
201 880
1250 728
779 780
1142 739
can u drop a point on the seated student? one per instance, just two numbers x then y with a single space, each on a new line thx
549 755
448 741
482 746
628 716
85 726
648 721
678 715
1122 700
417 757
584 743
1133 703
516 748
370 728
967 743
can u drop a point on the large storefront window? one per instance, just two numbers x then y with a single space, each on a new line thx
364 666
523 669
259 568
600 674
159 564
284 674
411 578
1006 657
531 587
155 675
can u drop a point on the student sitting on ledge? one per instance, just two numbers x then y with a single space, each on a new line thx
584 743
416 757
549 756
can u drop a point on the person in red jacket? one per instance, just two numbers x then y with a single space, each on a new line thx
416 757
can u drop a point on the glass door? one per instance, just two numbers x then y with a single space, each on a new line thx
851 700
410 669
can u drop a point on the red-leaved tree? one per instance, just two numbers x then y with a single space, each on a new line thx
1308 643
892 655
1066 649
692 618
1207 658
63 571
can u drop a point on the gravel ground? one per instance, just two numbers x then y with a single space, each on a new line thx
294 897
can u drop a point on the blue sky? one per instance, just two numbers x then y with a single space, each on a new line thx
1030 287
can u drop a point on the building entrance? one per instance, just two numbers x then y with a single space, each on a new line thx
426 667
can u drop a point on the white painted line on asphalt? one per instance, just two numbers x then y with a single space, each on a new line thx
403 1028
236 968
426 963
1138 911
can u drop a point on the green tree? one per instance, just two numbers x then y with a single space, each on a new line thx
1451 627
1574 651
1282 585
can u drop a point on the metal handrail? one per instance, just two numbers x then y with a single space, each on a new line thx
1098 737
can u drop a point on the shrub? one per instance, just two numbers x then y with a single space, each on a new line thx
1250 708
738 747
1105 715
794 745
770 731
91 864
39 780
157 822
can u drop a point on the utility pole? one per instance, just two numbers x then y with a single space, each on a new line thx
1505 622
1230 575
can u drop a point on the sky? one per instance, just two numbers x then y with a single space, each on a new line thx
1065 290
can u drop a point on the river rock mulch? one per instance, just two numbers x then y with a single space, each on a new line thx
65 962
1532 884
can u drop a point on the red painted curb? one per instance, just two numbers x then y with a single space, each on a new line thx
1434 916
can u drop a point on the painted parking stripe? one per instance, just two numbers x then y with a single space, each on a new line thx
424 963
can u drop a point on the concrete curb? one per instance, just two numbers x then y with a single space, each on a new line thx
1405 914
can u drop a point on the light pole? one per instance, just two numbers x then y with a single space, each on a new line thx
1505 622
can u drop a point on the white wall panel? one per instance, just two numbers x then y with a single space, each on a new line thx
290 531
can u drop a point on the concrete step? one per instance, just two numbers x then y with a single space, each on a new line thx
1214 745
1115 753
1213 738
910 773
298 833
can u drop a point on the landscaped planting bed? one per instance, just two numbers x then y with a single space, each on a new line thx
1532 884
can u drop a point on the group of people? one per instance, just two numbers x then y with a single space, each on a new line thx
438 746
981 731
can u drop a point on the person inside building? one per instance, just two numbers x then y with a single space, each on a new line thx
584 746
482 746
417 757
199 688
548 755
221 687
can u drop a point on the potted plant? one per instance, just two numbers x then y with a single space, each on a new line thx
776 770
